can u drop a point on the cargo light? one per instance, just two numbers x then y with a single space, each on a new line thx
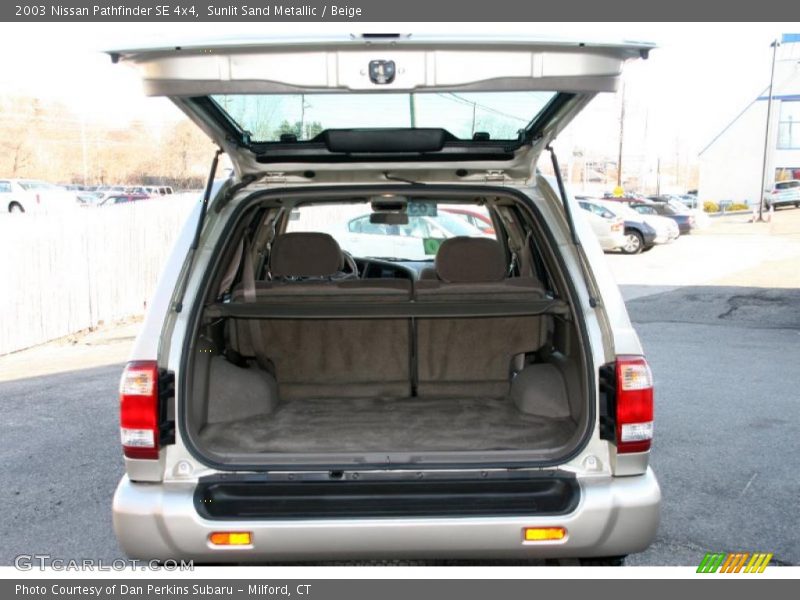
138 412
634 404
543 534
231 538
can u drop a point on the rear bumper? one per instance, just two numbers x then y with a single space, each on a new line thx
649 238
615 516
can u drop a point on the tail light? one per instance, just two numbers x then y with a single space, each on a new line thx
634 404
139 416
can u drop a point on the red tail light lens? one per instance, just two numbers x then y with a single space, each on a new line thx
634 404
138 397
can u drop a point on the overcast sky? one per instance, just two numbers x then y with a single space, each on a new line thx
700 77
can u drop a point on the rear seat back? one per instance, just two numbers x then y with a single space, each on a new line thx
326 357
473 356
386 357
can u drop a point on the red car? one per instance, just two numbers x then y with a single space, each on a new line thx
474 218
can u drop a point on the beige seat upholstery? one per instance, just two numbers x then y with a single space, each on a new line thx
305 254
473 356
326 357
474 269
387 357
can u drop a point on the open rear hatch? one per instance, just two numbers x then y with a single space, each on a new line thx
388 101
413 379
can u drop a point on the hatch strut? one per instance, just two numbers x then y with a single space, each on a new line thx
206 199
562 191
178 306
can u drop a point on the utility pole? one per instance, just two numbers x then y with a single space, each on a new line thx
658 176
302 116
84 149
474 110
766 134
621 136
412 109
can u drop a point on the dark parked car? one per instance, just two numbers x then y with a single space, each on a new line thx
685 220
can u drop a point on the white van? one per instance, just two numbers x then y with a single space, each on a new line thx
288 400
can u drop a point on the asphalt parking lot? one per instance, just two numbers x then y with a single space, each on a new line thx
718 314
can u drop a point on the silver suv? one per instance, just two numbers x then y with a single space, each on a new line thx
785 193
303 391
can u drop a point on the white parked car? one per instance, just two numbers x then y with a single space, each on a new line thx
610 231
30 195
418 239
785 193
287 400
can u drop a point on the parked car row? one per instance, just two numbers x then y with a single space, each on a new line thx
644 223
31 195
149 190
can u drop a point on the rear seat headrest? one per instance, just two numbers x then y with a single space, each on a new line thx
470 260
305 254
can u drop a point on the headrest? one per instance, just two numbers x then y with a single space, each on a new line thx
305 254
428 273
470 260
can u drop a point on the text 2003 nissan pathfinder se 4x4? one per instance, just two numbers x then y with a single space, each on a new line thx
296 394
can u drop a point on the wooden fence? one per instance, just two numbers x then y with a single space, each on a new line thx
68 271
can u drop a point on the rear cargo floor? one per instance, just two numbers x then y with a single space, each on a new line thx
375 425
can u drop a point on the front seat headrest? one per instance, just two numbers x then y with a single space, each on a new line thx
305 254
470 260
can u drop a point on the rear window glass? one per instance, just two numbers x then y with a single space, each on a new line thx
363 237
500 114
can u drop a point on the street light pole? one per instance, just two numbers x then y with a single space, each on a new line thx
621 136
766 134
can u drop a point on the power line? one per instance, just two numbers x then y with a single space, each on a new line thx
462 100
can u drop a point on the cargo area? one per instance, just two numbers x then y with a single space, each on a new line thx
462 358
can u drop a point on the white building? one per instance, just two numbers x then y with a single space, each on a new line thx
731 164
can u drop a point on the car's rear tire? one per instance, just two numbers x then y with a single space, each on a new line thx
603 561
634 242
15 207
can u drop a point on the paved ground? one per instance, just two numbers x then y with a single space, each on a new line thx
718 314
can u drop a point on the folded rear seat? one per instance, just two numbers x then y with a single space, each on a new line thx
473 356
324 358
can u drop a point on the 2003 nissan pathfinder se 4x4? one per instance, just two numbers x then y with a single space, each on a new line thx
335 366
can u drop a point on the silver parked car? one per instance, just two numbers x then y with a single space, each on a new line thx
785 193
288 400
